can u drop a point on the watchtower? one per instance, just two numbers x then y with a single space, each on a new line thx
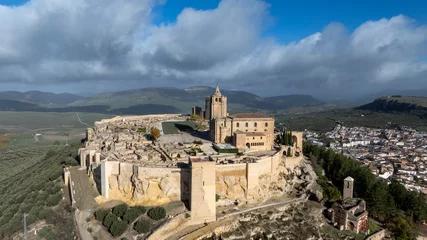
348 188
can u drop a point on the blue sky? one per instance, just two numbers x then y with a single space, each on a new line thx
293 20
269 47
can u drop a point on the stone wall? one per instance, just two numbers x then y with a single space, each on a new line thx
142 185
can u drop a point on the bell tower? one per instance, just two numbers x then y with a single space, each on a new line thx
348 188
216 105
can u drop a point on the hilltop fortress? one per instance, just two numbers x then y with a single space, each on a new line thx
127 164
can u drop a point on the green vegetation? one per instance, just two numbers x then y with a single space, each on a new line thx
177 127
217 197
120 210
35 190
285 138
118 228
225 150
326 121
15 161
142 130
393 204
117 219
157 213
142 226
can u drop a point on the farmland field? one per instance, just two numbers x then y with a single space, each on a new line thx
44 128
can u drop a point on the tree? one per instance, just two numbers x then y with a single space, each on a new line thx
131 214
157 213
289 154
120 210
155 133
118 227
140 209
142 226
194 117
101 214
109 219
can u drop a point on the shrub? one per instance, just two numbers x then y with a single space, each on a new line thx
46 233
89 230
217 197
120 210
141 209
101 214
118 227
53 200
157 213
142 226
130 215
109 219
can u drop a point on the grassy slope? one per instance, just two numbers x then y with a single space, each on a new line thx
34 190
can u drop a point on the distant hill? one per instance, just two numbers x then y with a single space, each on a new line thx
38 97
397 104
184 99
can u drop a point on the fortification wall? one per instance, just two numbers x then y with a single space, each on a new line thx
142 185
231 181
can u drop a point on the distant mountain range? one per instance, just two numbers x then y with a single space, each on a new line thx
151 101
184 99
38 97
176 100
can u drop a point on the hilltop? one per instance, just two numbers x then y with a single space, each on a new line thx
388 111
397 103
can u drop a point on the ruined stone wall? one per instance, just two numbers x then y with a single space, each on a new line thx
231 181
146 186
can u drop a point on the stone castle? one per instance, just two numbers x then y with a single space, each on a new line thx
127 165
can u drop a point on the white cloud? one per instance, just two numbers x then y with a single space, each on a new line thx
55 41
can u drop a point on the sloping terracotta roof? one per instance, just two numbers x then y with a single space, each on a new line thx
249 115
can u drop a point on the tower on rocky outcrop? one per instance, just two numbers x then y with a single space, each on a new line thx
348 188
216 105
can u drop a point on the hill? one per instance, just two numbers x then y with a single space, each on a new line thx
397 103
38 97
183 99
384 112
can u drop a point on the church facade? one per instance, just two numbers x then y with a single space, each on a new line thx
243 130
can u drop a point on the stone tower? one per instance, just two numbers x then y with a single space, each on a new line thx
203 190
216 105
348 188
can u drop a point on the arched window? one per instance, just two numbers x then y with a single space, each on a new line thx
246 125
266 124
255 124
237 124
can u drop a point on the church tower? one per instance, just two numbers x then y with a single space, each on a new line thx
348 188
216 105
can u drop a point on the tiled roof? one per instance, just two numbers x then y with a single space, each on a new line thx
249 115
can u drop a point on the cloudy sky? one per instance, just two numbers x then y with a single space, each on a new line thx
325 48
